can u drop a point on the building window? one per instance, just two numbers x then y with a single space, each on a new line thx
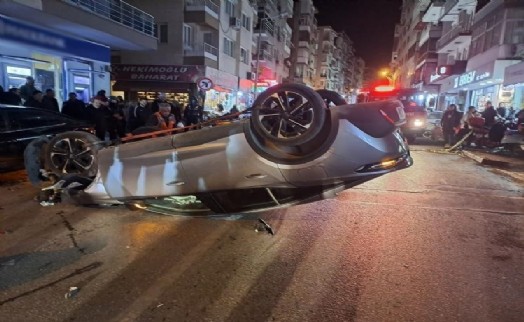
162 37
187 37
246 22
244 54
230 7
228 46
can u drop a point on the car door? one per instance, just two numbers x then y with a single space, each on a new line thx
9 157
26 124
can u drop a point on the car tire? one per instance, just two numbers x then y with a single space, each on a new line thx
73 152
331 97
288 114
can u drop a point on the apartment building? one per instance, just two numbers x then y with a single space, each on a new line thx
406 42
238 45
480 50
204 50
65 44
271 42
307 45
349 69
327 66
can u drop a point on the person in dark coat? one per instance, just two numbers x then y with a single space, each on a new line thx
450 124
193 113
49 101
116 124
489 114
75 108
137 116
27 90
35 100
12 97
98 114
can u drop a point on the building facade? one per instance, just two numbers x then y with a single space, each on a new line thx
465 52
238 45
307 45
481 44
65 45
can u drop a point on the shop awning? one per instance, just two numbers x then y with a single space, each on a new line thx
147 86
221 89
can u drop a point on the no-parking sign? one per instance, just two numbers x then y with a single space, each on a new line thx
205 83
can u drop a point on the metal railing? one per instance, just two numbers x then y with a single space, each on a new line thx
194 5
120 12
201 50
461 29
266 26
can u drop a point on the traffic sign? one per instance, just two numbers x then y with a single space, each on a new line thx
205 83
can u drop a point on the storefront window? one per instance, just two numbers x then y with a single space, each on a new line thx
16 75
518 97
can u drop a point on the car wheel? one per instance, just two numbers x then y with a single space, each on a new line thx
331 98
73 153
288 114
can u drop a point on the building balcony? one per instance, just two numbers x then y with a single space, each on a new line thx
434 11
264 56
307 23
455 37
265 28
202 12
303 44
201 54
114 23
426 57
453 8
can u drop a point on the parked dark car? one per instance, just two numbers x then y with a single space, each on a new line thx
416 120
20 125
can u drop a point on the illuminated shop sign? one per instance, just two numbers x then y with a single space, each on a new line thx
20 32
177 73
470 77
444 70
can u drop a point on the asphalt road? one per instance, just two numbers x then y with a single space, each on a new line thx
441 241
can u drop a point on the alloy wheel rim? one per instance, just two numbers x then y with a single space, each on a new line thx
72 155
285 115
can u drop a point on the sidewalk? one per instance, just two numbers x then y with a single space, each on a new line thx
506 165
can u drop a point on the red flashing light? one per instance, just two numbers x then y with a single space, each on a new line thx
384 88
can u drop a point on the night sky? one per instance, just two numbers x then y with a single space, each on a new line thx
369 23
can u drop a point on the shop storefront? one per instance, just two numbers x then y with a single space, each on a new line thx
514 86
224 91
478 86
175 82
55 61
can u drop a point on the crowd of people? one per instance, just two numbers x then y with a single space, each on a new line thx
456 124
112 117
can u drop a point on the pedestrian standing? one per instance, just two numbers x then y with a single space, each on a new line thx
75 108
489 114
35 100
27 90
49 101
450 124
99 115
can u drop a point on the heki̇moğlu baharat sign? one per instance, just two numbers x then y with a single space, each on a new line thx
170 73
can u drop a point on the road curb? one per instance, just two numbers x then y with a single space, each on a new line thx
517 176
514 175
486 161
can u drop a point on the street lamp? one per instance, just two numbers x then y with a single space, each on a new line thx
257 64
